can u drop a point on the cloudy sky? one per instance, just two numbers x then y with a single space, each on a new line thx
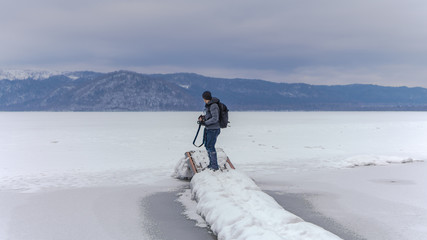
313 41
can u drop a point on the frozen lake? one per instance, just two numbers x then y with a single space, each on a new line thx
52 143
43 152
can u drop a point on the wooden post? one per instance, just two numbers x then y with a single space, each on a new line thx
192 165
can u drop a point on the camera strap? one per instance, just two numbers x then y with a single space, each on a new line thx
197 134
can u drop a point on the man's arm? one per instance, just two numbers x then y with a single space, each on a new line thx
215 115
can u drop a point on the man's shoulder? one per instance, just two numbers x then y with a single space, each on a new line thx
214 104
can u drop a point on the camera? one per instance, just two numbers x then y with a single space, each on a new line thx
201 119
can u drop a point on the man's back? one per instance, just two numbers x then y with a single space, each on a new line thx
212 114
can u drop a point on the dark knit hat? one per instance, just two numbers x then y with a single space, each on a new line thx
207 95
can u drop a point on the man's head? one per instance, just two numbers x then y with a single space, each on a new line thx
207 96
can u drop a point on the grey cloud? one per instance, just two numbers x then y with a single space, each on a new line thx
275 38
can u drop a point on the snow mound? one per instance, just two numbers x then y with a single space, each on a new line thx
236 208
182 169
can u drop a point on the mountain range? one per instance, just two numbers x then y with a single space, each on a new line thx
131 91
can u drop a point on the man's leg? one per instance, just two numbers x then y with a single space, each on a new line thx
211 136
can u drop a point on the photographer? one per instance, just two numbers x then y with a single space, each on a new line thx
212 127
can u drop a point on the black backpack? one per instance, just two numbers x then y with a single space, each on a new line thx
223 121
223 115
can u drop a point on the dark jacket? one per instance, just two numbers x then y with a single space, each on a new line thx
212 114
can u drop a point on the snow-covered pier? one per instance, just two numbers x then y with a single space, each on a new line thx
236 208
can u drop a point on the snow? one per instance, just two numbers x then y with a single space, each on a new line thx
182 169
79 143
186 199
370 160
186 86
13 74
73 77
236 208
46 155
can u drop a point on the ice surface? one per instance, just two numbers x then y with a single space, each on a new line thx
381 203
60 149
42 152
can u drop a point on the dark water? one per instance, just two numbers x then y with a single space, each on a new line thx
166 222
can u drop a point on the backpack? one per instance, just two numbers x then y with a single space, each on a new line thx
223 115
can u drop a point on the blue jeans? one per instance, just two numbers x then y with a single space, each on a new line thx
210 139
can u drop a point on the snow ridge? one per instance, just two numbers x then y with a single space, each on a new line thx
12 74
236 208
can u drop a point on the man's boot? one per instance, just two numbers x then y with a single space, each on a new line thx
213 162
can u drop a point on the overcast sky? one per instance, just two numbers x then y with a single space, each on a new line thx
313 41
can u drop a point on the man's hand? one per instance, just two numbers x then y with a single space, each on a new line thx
201 120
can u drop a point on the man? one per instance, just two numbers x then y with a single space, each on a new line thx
212 127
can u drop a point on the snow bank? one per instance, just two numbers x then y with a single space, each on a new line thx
190 207
371 160
236 208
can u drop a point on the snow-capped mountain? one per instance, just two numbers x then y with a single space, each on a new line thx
131 91
90 91
14 74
